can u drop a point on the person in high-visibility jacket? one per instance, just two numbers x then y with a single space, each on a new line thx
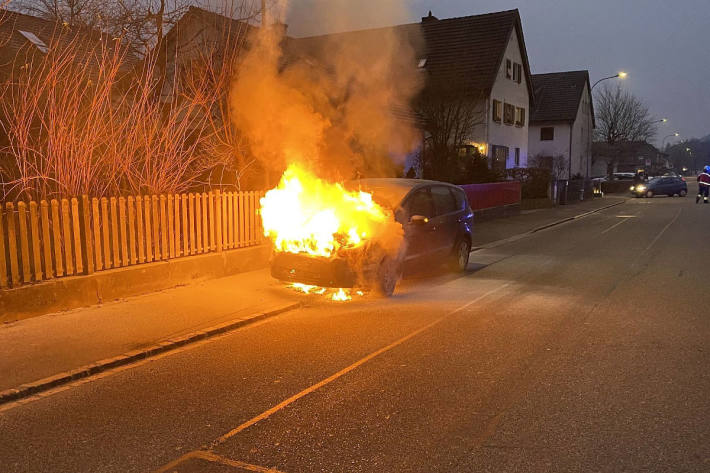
703 185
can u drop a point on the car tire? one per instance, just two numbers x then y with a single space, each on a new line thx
649 194
388 275
460 256
683 193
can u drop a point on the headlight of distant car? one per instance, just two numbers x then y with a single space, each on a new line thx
641 188
632 188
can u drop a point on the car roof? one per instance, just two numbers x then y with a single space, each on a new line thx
392 190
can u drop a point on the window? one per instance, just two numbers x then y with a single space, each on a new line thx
444 202
517 157
460 198
32 38
420 204
508 69
547 133
519 116
497 110
508 114
500 156
517 72
422 63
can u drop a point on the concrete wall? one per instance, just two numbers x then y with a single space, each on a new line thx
82 291
509 91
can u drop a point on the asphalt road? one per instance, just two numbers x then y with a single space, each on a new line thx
583 347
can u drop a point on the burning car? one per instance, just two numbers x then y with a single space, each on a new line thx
361 235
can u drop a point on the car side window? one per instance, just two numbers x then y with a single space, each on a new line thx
444 202
459 198
420 204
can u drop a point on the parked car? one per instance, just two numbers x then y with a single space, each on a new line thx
665 185
437 221
623 176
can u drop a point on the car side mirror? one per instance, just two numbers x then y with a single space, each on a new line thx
418 220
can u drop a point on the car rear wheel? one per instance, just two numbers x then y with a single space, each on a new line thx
388 275
459 258
683 193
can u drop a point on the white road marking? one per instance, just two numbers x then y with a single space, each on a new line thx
660 234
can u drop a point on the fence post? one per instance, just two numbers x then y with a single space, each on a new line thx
176 222
155 212
139 228
36 251
12 244
66 229
242 219
198 222
114 234
191 218
218 219
132 229
88 240
122 230
105 231
205 228
185 229
97 233
171 226
3 262
77 236
148 239
58 259
163 228
230 220
46 240
24 241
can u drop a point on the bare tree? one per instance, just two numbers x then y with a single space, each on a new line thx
450 123
621 118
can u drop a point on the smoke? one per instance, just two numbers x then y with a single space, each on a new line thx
332 103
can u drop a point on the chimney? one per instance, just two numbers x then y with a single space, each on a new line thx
429 18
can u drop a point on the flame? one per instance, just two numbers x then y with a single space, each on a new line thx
339 295
305 214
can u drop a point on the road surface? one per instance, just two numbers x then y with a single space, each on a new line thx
583 347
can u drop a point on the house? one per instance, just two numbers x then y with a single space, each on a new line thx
629 156
562 122
481 59
25 38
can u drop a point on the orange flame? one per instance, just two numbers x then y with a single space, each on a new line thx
305 214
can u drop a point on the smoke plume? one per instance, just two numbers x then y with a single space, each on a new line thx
331 103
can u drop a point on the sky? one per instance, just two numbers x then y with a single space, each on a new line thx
661 44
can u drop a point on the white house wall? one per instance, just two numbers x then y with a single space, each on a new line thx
582 138
509 91
559 146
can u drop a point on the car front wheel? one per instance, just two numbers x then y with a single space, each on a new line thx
649 194
461 253
683 193
388 275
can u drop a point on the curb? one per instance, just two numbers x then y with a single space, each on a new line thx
569 219
85 371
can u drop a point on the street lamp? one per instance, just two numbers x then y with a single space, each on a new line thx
662 120
663 143
620 75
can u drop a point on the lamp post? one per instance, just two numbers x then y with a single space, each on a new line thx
663 143
620 75
662 120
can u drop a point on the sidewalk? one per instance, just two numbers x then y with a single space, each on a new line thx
44 346
487 232
66 344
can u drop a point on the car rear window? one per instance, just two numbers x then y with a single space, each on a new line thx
460 198
444 201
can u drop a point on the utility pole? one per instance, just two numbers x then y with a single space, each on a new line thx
263 13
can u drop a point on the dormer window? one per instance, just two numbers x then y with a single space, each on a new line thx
32 38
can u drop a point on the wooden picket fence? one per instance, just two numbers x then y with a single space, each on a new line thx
46 240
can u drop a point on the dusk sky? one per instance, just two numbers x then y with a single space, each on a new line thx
662 45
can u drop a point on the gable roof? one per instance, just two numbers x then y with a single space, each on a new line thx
18 33
557 96
465 53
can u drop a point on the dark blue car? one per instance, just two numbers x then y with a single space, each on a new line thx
664 185
437 222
